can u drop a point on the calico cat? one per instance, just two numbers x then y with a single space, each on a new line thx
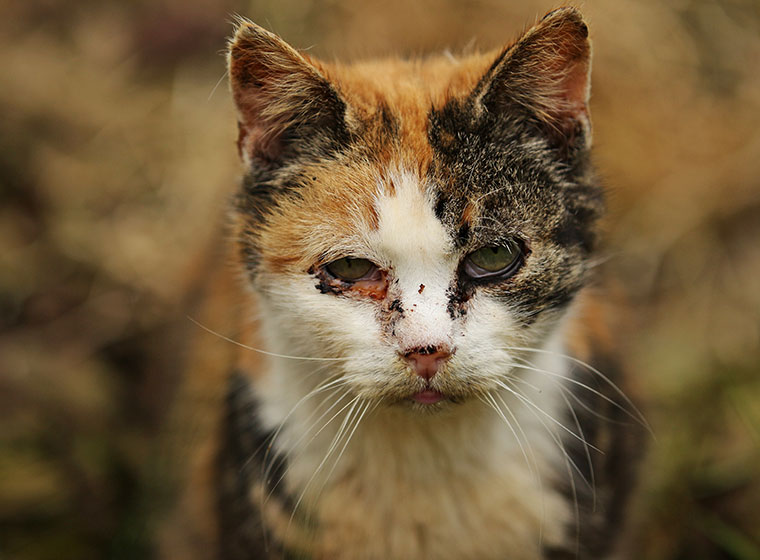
415 241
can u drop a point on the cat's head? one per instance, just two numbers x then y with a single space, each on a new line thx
418 220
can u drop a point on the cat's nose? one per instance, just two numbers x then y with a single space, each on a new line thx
427 360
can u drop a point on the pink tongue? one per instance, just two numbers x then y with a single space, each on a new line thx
428 396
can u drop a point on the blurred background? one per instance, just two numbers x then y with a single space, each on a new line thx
117 158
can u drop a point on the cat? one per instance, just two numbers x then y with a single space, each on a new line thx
415 243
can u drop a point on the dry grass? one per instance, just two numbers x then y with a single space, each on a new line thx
116 157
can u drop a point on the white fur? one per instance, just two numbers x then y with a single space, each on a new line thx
454 483
420 254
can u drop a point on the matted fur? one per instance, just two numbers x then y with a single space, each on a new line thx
414 165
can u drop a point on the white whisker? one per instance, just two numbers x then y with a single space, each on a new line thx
360 416
546 414
489 400
320 388
218 83
535 462
338 436
267 465
586 449
590 410
314 436
264 352
639 416
579 384
569 463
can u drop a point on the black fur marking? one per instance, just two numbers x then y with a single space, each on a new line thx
575 229
440 206
525 189
423 350
396 306
459 294
533 187
389 121
537 298
463 235
241 464
325 286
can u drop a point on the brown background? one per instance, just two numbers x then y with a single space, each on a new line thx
116 159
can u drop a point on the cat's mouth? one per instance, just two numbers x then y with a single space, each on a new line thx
431 394
428 396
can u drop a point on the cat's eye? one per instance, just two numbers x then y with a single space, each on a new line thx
350 269
495 261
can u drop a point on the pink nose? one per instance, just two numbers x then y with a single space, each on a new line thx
426 361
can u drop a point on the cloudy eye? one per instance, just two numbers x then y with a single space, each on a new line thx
496 261
349 269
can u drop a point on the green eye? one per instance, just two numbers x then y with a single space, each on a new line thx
350 269
493 261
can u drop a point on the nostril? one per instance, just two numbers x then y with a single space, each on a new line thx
427 360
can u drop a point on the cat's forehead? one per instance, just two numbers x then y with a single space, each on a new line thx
407 86
389 102
379 192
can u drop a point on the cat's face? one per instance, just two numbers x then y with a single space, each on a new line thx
419 222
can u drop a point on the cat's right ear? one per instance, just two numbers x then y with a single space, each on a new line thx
547 71
283 100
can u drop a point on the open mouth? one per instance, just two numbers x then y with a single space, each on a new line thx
428 396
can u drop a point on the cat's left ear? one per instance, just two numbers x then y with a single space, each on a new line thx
547 71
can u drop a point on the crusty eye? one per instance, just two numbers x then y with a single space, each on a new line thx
497 261
349 269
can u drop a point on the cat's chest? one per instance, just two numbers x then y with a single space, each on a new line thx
439 492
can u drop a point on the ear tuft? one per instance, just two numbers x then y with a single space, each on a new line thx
547 71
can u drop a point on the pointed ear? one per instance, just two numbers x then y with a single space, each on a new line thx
547 71
283 100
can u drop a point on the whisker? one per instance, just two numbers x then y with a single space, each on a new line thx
488 399
586 450
640 417
210 95
313 437
319 369
267 466
579 384
555 437
569 463
547 415
264 352
360 415
333 444
320 388
515 379
535 462
351 423
590 410
564 393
